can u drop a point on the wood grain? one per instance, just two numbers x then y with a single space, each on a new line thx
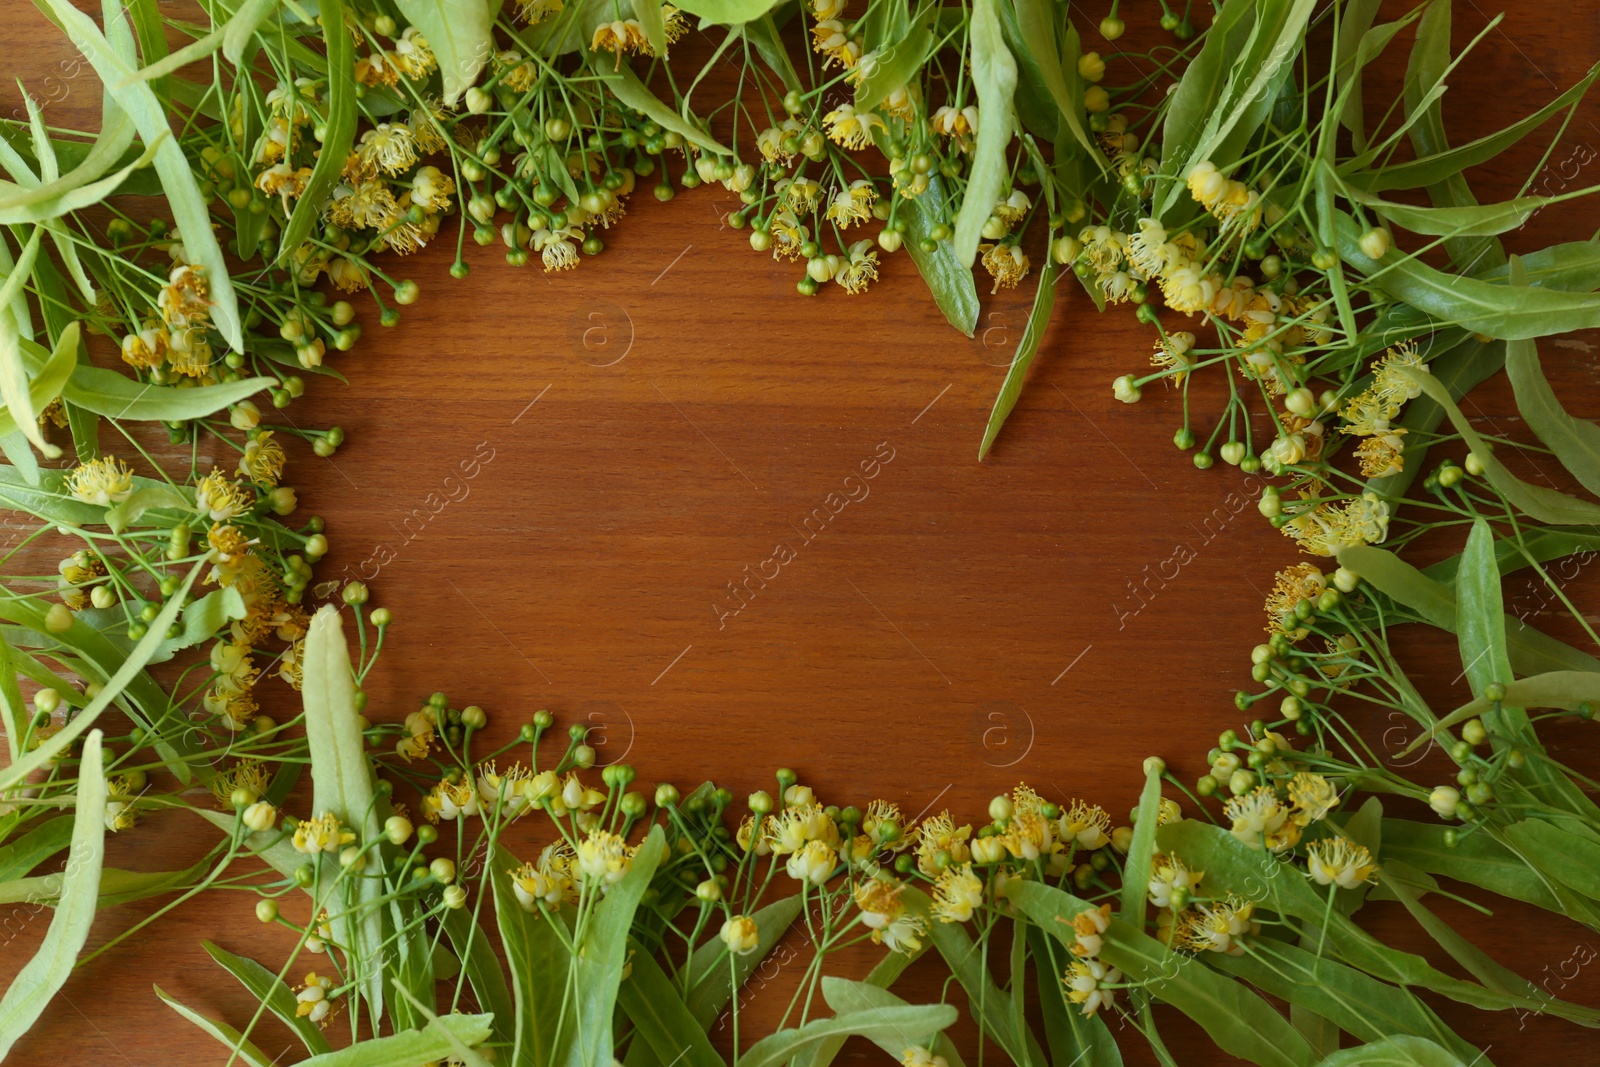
561 486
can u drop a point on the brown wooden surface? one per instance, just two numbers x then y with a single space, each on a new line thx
648 429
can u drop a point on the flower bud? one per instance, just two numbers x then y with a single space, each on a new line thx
260 816
1375 242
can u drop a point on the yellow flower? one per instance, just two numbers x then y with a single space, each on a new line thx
322 834
1336 861
1172 353
1087 826
262 460
850 128
431 189
550 880
312 1002
621 36
853 204
787 234
940 844
505 790
283 181
604 857
365 205
1007 264
741 935
219 499
1089 927
556 249
451 800
1089 984
860 268
1218 928
1382 454
348 274
536 11
101 482
960 125
813 862
957 894
829 39
1170 880
1260 817
1313 796
412 56
146 348
248 775
389 147
184 299
884 914
1303 581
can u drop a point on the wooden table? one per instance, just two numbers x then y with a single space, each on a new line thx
561 484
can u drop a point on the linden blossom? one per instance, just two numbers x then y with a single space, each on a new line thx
743 592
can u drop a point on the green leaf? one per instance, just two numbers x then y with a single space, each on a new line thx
341 777
994 73
895 63
651 1003
460 32
989 1006
951 283
586 1039
71 192
1241 1023
15 390
482 968
112 55
884 974
1254 83
1136 869
1357 45
126 673
1480 612
1576 442
1466 221
845 997
1073 1038
339 126
769 46
626 87
1504 311
1476 859
244 1050
1569 857
435 1041
105 392
1538 502
1044 299
34 847
1198 96
533 950
711 986
878 1023
233 34
150 498
34 986
1396 1051
1233 866
1030 27
1399 878
1435 168
729 12
1429 65
270 990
